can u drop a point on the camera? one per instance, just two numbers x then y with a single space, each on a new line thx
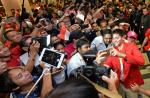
44 41
92 70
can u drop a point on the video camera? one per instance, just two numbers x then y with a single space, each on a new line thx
92 70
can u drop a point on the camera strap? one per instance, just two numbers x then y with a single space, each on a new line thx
102 90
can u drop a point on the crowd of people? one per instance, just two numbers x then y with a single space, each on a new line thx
111 29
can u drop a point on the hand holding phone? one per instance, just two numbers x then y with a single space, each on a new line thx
107 51
52 58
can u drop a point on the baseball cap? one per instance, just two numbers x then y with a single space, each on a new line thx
132 34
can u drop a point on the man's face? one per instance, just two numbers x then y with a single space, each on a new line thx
84 48
110 10
95 26
104 25
67 22
107 38
117 40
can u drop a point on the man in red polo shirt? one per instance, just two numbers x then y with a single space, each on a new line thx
125 59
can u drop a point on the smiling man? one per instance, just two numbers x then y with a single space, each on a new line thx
125 59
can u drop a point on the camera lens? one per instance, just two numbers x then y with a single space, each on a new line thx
88 72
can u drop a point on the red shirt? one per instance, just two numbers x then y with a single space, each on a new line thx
147 34
15 54
69 49
131 63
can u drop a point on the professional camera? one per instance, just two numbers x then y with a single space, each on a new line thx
92 70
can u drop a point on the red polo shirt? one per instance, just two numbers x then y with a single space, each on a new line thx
15 54
131 63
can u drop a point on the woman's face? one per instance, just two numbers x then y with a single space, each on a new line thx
60 48
20 77
4 53
14 36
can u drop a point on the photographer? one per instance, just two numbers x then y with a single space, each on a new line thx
80 88
76 61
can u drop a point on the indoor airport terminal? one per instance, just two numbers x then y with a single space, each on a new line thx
74 48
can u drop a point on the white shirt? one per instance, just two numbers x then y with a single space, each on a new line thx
75 62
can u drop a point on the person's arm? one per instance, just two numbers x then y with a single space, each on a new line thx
98 10
65 14
115 52
3 67
2 31
111 81
47 82
62 18
34 48
80 7
144 43
136 88
132 55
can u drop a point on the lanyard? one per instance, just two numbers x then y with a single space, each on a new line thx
121 69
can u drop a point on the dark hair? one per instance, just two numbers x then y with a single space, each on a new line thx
58 43
103 21
119 31
106 31
74 88
12 9
82 42
145 8
6 83
75 35
6 32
